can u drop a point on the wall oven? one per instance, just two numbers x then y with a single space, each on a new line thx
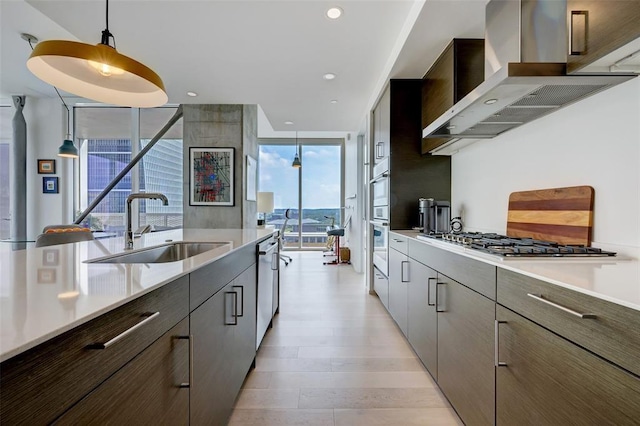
380 216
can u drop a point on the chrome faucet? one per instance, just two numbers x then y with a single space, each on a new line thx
128 236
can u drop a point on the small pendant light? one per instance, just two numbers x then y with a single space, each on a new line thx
296 160
67 149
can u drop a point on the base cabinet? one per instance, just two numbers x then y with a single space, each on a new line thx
466 351
422 322
381 287
223 330
151 389
547 380
398 288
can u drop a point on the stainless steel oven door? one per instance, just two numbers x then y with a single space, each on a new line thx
380 232
380 191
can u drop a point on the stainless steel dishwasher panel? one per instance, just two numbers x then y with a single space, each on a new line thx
267 263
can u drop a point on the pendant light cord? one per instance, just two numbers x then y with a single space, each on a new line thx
106 34
63 103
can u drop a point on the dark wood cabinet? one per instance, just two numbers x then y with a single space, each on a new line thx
466 351
224 333
411 175
151 389
382 128
613 333
169 365
456 72
39 385
547 380
599 27
422 322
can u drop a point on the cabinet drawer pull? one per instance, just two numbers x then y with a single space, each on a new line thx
241 310
379 150
190 384
234 314
496 340
562 308
429 291
438 284
147 318
404 276
398 241
579 32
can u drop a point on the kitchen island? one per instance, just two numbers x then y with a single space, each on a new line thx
79 337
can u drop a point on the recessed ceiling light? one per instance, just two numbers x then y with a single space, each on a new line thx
334 13
490 101
288 123
334 101
192 94
329 76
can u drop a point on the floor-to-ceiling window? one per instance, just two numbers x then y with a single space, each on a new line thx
109 137
312 192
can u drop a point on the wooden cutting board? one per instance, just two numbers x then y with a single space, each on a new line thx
563 215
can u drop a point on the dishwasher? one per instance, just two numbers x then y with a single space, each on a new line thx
267 263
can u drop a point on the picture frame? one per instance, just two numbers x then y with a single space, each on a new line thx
211 176
50 185
50 257
46 275
46 167
251 179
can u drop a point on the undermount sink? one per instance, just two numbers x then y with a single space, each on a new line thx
170 252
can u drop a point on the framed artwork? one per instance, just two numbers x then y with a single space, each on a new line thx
50 185
46 167
50 257
211 176
252 173
46 275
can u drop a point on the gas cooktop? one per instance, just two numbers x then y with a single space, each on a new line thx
503 246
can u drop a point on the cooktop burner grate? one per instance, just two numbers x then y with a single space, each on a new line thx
504 246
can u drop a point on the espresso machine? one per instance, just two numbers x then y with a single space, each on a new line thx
435 216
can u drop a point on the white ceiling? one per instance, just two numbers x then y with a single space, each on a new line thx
266 52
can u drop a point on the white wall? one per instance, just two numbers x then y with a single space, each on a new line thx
353 195
594 142
46 129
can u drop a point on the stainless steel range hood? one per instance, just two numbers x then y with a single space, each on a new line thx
525 59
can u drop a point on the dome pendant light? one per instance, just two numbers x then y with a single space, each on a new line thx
97 72
67 149
296 160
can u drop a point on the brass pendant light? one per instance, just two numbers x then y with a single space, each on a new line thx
296 160
97 72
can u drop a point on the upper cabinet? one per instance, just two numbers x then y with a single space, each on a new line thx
382 128
412 175
598 27
458 70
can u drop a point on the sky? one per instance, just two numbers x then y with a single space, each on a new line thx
320 175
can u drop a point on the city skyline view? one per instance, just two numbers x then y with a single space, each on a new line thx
320 175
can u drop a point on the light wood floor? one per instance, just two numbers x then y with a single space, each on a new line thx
335 357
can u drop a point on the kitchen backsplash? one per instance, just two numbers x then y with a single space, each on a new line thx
595 142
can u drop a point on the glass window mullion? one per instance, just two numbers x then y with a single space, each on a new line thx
135 172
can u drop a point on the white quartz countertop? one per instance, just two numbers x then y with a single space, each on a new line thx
613 279
48 290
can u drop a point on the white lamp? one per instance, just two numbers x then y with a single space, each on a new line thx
264 206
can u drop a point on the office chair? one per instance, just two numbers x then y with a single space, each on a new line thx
286 259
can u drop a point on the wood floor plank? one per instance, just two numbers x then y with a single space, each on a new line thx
335 357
